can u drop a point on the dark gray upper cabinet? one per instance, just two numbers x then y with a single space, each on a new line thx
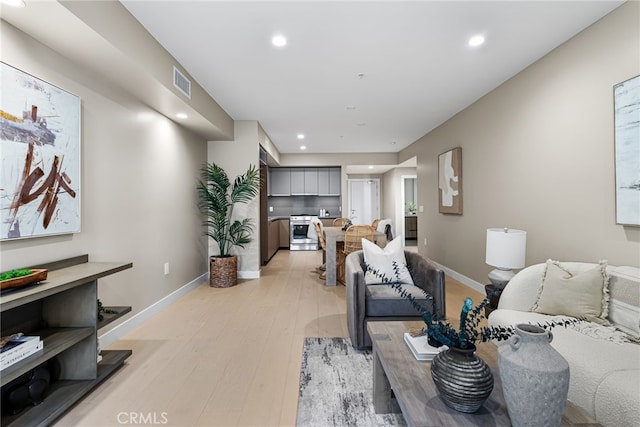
329 181
280 181
297 182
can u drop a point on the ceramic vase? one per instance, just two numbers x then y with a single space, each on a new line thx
464 381
535 377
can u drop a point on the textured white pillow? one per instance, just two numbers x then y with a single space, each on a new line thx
583 295
383 261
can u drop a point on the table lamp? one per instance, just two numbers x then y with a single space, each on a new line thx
505 250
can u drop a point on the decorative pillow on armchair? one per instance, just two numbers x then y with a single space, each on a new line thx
583 295
384 260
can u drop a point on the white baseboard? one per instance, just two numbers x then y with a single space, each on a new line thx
476 286
138 319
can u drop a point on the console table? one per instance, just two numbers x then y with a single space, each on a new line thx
63 311
395 368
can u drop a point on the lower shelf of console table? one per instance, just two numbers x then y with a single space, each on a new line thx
65 393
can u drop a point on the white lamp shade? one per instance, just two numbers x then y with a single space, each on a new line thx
506 248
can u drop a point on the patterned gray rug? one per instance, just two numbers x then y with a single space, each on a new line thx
336 386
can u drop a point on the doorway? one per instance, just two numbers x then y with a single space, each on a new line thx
409 202
364 200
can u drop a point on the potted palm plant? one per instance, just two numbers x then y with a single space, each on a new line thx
217 198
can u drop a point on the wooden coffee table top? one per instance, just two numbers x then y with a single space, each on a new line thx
417 395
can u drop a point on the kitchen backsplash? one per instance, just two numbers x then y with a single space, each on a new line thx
293 205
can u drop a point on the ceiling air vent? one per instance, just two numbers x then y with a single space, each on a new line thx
181 82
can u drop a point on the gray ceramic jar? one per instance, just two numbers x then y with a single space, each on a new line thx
535 377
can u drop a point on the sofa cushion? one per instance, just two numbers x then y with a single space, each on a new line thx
389 262
595 364
384 301
624 299
584 294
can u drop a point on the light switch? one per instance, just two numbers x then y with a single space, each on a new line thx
421 208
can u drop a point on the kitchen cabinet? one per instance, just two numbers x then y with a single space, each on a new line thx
280 181
411 227
284 233
304 181
274 238
311 181
329 181
297 181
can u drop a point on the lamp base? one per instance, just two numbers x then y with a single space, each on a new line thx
499 278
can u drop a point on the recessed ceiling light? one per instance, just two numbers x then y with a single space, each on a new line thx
279 41
14 3
350 107
361 124
392 143
303 147
301 136
476 40
370 167
181 116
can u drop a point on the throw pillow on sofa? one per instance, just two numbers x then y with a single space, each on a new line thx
583 295
384 260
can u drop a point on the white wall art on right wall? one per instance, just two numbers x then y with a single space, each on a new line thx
627 151
450 181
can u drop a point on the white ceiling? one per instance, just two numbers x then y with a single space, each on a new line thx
417 68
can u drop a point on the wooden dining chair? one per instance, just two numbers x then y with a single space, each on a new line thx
323 245
352 242
340 222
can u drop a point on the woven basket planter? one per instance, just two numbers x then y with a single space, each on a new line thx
223 271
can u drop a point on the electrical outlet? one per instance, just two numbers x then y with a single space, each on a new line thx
425 241
166 268
270 208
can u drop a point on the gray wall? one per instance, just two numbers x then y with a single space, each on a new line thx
139 171
235 157
538 154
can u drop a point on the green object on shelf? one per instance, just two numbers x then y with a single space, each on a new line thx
101 310
12 274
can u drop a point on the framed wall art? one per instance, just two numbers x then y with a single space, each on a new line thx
627 151
450 181
40 155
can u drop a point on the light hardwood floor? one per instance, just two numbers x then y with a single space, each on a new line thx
227 357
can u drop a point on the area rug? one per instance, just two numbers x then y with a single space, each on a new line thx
336 386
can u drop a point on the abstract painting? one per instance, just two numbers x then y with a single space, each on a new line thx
627 151
450 181
40 152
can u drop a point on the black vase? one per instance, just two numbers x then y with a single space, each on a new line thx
464 381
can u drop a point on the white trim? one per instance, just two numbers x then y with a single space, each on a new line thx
138 319
476 286
250 274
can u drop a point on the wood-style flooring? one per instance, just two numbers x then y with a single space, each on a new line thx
227 357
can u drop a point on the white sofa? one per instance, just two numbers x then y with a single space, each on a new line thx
604 373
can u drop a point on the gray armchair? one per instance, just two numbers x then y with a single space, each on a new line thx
367 303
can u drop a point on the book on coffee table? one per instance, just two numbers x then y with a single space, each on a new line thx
420 347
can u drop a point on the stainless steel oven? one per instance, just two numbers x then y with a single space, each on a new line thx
300 239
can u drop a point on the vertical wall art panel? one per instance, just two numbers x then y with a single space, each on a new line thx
627 149
40 152
450 181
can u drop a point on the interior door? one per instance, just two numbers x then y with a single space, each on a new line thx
364 200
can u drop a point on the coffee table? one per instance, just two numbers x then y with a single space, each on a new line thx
397 373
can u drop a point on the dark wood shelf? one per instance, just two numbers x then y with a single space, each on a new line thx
66 301
64 394
55 341
109 317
